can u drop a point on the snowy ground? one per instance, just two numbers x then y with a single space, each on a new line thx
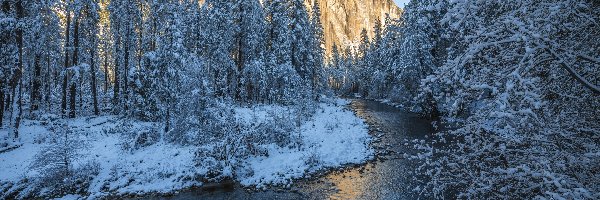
334 137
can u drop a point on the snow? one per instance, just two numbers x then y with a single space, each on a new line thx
333 137
13 163
257 113
157 168
70 197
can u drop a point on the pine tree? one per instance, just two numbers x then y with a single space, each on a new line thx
7 54
124 17
317 51
67 63
17 80
168 66
218 35
250 45
363 71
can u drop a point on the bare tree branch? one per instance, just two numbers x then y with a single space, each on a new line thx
589 59
574 74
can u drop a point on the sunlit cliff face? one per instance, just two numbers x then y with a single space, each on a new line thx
343 20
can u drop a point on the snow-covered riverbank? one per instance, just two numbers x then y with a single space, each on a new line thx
105 163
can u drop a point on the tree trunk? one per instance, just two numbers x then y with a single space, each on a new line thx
1 101
126 71
47 82
73 87
8 102
167 121
18 79
116 85
240 55
72 97
105 71
140 40
63 104
36 95
154 30
93 84
80 94
19 107
5 10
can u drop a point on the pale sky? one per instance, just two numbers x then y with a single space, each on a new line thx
401 2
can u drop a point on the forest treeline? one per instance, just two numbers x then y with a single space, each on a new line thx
517 80
155 60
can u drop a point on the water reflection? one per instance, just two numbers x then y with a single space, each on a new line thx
350 184
391 177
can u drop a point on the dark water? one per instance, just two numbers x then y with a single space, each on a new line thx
388 177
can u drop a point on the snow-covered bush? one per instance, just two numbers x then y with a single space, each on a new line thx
56 160
233 140
139 137
522 76
280 130
57 165
312 160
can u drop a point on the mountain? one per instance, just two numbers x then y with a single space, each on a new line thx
343 20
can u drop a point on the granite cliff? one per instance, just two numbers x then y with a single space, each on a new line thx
343 20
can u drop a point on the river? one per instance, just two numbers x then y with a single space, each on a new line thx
387 177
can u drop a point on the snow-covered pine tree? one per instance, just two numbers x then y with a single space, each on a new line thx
124 17
168 63
287 39
362 70
218 35
16 81
250 45
8 52
417 48
300 39
335 69
317 52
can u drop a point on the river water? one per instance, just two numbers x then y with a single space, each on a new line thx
388 177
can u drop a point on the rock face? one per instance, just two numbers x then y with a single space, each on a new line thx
343 20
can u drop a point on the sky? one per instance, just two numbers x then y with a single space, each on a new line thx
401 3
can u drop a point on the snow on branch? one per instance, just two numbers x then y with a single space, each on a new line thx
577 76
589 59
